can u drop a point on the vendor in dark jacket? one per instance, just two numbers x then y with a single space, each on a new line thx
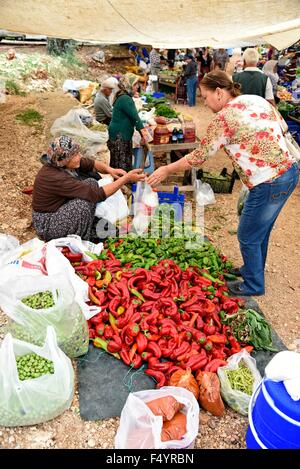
190 74
63 204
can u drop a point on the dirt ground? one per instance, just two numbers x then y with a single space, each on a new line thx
20 150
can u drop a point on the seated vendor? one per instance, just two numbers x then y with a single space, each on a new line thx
63 204
103 108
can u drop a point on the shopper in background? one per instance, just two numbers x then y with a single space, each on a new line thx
249 129
252 79
204 60
155 66
220 59
190 74
102 106
235 63
270 70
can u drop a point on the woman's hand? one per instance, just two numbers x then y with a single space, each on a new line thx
135 175
116 173
158 176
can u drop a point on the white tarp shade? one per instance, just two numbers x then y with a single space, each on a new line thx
165 23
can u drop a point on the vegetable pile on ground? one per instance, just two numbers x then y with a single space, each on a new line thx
165 317
136 252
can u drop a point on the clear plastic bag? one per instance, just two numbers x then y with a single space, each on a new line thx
30 324
7 243
203 193
71 124
37 400
145 202
113 208
140 429
238 400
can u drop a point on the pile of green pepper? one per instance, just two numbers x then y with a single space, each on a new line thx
134 252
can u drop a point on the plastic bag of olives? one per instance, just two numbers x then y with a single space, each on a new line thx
36 383
34 303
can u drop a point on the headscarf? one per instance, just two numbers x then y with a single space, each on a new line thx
269 66
127 82
61 151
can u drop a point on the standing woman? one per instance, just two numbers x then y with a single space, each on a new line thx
124 120
190 74
204 62
249 130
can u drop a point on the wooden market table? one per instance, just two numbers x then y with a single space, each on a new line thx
176 147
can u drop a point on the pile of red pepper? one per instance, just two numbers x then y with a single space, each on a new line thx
165 317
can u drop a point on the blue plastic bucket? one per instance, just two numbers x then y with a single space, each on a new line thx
274 418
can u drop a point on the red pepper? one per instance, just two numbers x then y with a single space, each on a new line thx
123 320
214 365
113 347
217 339
154 364
154 337
149 294
173 369
208 346
142 342
92 334
158 376
97 319
154 348
209 328
108 332
100 343
146 356
184 348
147 306
136 362
124 354
196 362
248 348
235 346
92 297
199 322
100 329
73 257
132 329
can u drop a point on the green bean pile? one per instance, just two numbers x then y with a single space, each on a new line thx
41 300
241 379
31 366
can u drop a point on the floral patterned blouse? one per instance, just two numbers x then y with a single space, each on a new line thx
250 131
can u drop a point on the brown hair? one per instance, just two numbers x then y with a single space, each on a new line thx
220 79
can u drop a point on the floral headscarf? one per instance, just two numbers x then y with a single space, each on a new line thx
127 82
62 150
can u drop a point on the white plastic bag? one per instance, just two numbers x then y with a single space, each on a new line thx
37 400
70 124
238 400
30 324
7 243
145 202
114 207
285 366
204 193
140 429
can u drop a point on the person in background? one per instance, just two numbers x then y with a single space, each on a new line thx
220 59
62 203
270 70
235 63
252 79
190 74
124 120
102 106
204 60
155 66
249 129
171 57
145 55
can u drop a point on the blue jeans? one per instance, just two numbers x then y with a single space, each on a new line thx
260 212
191 85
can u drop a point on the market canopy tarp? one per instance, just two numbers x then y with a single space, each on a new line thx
167 23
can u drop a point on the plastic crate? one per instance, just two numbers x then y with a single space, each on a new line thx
219 186
169 198
158 95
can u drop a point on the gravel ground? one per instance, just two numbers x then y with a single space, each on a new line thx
20 149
